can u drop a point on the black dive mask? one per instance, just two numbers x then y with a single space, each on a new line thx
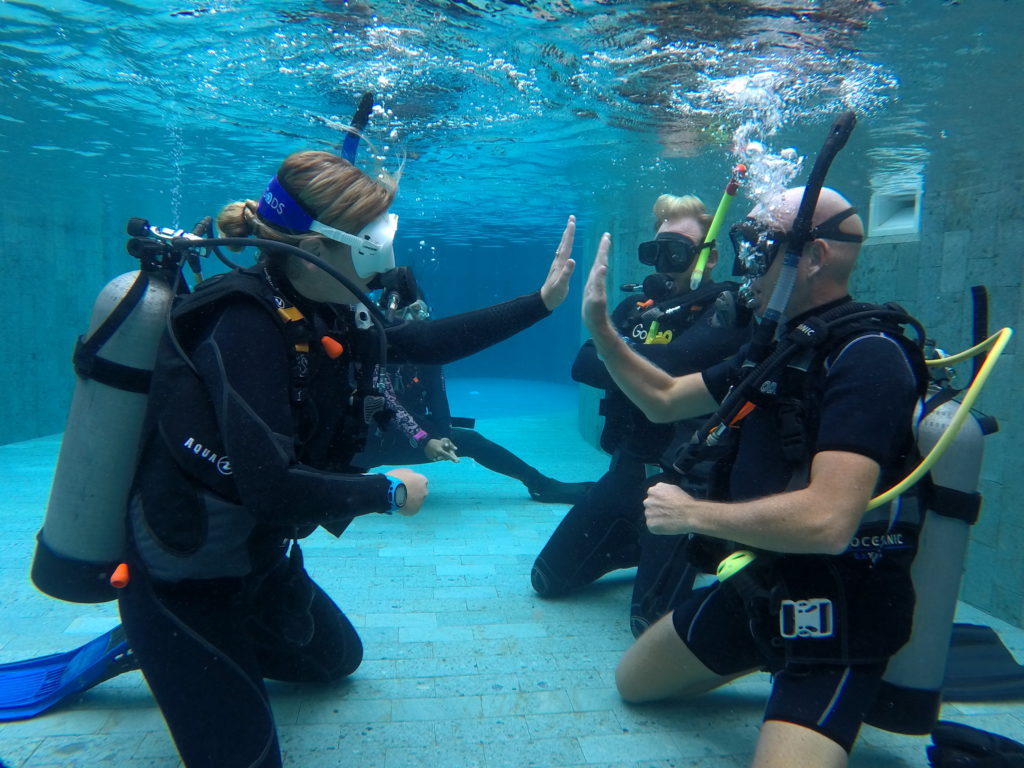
669 252
757 245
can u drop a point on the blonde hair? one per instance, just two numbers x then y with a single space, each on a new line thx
329 187
672 207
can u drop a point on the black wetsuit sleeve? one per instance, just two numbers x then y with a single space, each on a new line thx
698 347
244 365
439 342
589 369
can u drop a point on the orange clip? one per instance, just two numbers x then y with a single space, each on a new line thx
742 413
119 578
645 304
332 347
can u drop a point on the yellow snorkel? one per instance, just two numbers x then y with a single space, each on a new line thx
716 224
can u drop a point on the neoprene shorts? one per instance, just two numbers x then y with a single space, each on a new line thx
828 698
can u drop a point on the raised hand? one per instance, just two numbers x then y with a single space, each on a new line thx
556 286
595 295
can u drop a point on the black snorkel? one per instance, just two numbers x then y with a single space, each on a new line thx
359 121
758 365
838 134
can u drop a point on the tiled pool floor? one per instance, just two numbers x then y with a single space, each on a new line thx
464 666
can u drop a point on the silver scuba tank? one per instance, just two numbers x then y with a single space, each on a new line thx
911 693
83 535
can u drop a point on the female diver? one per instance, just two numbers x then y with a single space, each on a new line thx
263 391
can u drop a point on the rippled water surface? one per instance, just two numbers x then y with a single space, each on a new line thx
536 104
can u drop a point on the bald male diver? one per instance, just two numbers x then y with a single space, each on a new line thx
827 596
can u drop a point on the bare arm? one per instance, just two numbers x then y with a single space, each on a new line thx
820 518
662 398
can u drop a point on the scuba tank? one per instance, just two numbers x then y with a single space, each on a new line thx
83 535
911 691
82 541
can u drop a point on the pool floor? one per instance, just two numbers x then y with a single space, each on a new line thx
465 666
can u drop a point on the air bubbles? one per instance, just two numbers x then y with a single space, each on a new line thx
767 173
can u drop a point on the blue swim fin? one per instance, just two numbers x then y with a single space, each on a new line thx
30 687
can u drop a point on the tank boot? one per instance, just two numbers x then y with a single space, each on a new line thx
550 491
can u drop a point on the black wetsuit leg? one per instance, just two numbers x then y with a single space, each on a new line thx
205 652
664 578
600 534
202 670
501 460
492 456
296 643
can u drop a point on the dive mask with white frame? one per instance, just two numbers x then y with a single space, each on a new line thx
372 246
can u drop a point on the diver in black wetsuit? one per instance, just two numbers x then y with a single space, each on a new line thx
694 329
826 595
425 429
260 398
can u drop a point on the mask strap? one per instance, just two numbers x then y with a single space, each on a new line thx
279 208
829 229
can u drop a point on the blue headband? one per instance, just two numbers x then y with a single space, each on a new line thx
372 249
279 208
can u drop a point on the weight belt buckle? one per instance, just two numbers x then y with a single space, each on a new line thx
806 618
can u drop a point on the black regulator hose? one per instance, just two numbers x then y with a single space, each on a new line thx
182 243
146 238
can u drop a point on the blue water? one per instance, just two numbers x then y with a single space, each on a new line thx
503 117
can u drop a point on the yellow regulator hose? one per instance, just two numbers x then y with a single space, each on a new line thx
995 343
